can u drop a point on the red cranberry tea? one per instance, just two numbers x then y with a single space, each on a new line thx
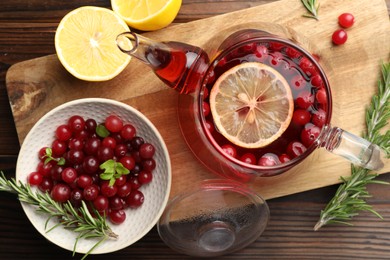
308 93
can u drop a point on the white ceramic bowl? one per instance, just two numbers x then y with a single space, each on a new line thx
139 221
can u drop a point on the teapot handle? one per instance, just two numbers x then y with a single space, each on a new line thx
357 150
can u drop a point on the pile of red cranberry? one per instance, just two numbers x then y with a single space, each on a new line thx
71 168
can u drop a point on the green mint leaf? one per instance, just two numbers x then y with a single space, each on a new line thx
112 181
108 166
48 152
61 161
102 131
120 169
112 171
105 176
47 160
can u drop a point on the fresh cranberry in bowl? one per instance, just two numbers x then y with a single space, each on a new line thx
79 177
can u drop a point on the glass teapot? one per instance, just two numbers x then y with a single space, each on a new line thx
189 70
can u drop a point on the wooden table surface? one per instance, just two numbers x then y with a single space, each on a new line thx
27 29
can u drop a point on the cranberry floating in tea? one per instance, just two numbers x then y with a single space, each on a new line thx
259 108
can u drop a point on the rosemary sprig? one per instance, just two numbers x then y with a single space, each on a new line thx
351 194
312 7
80 220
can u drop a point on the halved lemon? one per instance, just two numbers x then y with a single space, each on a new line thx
85 42
147 15
251 104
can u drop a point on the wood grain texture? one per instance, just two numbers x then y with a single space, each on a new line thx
27 31
36 86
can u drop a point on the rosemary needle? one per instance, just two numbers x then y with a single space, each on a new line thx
80 220
351 194
312 7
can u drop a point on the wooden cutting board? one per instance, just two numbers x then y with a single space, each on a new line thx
36 86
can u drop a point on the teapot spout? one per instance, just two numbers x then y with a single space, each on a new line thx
142 48
180 66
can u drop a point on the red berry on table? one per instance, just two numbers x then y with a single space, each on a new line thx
339 37
346 20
